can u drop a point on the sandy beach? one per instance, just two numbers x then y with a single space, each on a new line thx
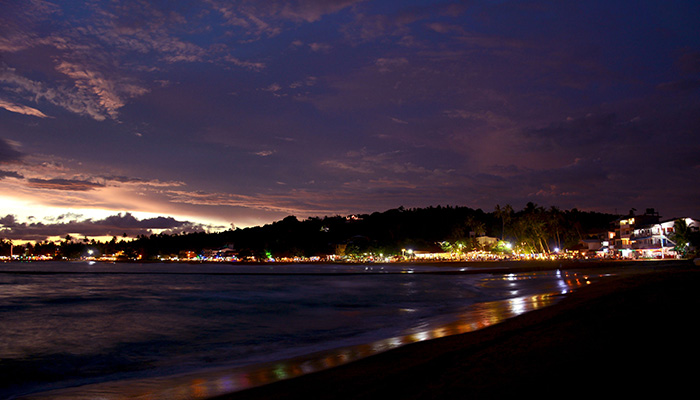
633 335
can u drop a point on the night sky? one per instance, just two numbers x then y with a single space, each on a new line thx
137 116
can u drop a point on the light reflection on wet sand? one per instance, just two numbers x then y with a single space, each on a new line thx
206 384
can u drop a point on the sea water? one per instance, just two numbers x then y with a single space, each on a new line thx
66 324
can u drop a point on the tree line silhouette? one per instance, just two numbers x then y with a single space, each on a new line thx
533 229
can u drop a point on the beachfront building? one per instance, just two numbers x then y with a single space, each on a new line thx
646 236
625 227
487 242
226 253
656 240
431 255
643 236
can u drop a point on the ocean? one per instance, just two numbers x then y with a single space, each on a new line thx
159 330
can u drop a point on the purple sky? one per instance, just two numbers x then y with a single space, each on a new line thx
124 116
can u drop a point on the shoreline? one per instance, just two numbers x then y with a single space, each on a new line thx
513 261
627 334
496 266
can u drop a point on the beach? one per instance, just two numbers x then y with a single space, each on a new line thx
627 335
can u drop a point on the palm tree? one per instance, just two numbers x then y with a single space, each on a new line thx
555 225
505 213
680 236
6 244
531 228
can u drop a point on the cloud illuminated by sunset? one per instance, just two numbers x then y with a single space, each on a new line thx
215 113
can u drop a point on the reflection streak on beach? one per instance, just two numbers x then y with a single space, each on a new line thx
206 385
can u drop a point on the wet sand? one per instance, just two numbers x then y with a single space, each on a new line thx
634 335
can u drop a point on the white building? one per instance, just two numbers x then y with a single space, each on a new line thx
654 240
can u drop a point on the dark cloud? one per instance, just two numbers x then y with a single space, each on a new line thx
680 85
139 181
115 225
63 184
10 174
128 221
576 132
8 153
8 221
689 63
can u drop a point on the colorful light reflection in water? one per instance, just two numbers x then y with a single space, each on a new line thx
208 384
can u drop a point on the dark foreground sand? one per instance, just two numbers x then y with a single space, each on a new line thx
627 336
